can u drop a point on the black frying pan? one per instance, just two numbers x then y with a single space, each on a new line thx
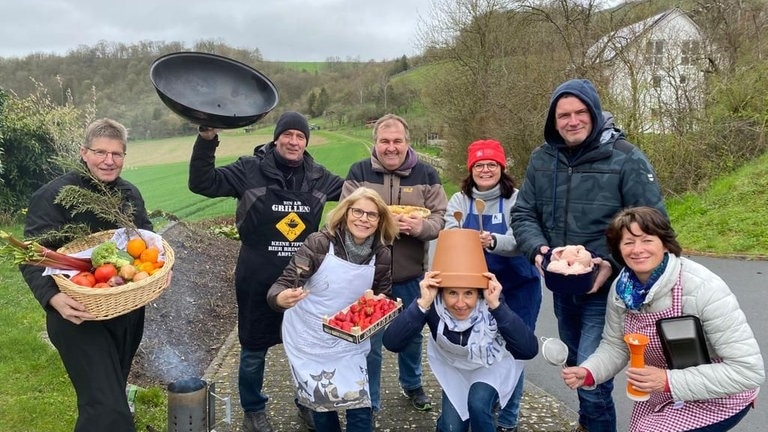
211 90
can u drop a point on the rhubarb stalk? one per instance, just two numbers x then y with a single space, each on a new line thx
30 252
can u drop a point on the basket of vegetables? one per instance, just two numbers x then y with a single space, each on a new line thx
126 272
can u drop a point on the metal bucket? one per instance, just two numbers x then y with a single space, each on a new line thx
192 406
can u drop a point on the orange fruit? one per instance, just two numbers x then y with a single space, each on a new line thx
149 254
135 247
147 267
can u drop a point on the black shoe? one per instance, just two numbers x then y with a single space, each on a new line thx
505 429
256 421
419 400
305 415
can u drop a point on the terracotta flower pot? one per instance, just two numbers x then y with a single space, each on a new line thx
460 260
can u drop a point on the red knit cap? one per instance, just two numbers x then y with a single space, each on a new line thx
486 150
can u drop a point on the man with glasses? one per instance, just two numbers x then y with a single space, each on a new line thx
583 174
281 192
97 354
395 171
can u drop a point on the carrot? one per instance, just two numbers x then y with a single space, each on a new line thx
33 253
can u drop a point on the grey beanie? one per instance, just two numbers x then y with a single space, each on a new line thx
291 120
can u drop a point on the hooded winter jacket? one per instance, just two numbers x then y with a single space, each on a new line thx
570 194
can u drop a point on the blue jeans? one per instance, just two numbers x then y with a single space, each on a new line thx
508 414
481 399
358 420
409 360
524 300
726 424
580 320
373 360
251 379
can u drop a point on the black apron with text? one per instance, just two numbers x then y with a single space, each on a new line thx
273 230
519 279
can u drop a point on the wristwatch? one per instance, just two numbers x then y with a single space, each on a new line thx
493 242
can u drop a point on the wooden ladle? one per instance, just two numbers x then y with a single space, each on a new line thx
458 215
480 206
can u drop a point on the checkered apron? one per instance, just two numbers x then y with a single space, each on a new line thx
660 413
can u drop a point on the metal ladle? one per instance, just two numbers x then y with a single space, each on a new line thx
480 206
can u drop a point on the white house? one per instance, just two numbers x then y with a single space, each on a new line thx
655 70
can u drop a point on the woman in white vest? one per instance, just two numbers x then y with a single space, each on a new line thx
333 268
475 341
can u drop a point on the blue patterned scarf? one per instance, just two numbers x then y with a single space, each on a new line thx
632 291
485 345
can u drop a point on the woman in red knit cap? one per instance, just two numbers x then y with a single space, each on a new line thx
487 180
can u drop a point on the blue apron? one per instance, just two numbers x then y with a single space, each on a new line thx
518 277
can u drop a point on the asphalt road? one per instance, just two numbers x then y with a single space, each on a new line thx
747 279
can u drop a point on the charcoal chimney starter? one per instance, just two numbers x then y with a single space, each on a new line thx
188 406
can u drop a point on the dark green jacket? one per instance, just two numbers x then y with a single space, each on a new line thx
569 196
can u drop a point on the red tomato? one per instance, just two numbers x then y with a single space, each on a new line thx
104 272
83 279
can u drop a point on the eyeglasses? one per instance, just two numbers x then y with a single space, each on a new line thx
492 166
102 154
372 216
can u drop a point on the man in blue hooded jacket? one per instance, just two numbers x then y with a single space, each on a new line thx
575 182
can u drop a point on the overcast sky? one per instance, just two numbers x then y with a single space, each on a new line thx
282 30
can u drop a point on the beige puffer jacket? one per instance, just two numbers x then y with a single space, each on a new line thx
729 336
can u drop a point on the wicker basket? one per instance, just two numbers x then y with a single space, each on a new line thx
106 303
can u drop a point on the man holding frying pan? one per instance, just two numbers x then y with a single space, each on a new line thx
281 192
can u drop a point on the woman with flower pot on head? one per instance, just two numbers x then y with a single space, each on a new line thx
475 340
488 185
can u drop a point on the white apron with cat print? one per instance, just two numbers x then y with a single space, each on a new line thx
329 373
456 374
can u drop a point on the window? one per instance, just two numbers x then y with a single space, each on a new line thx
690 51
654 52
683 79
656 81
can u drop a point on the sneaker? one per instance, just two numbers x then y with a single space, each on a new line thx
256 421
506 429
305 415
419 400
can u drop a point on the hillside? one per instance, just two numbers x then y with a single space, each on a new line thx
114 78
728 219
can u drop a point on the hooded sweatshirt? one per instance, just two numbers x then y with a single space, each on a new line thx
570 194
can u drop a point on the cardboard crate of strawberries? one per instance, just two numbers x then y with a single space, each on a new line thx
366 316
